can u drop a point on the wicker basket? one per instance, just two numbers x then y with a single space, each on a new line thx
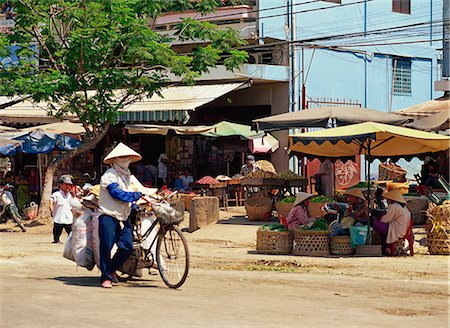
258 208
273 242
284 208
315 209
310 243
438 229
391 172
340 245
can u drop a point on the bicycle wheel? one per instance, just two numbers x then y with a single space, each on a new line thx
172 256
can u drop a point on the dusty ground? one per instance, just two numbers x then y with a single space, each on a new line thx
229 286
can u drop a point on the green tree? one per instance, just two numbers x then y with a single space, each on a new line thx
94 57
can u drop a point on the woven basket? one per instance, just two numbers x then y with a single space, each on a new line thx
284 208
315 209
273 242
310 243
258 208
391 172
340 245
438 243
438 229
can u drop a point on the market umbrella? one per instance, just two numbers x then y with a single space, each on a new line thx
434 122
370 139
228 129
40 142
326 117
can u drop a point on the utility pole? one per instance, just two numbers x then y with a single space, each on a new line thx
444 83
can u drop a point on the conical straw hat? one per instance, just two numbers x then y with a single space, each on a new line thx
355 192
395 195
301 197
122 150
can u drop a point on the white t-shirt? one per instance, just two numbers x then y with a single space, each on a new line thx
108 205
62 210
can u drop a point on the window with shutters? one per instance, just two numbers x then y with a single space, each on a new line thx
401 6
401 72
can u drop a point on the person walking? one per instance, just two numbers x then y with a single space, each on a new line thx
115 200
163 160
61 208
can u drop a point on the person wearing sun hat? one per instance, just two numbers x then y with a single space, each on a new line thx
299 214
358 208
115 199
394 224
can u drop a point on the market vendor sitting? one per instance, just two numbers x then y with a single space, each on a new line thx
184 180
299 214
249 166
395 223
358 208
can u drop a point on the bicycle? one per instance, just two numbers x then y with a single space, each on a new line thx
171 254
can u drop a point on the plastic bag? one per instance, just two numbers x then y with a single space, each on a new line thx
358 235
67 253
83 255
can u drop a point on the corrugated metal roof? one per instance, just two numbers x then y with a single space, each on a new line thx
183 97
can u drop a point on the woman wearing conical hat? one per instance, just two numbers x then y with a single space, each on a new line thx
115 199
299 214
358 208
394 224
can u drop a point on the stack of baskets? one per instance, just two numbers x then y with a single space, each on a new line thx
438 229
391 172
341 245
273 242
258 208
311 242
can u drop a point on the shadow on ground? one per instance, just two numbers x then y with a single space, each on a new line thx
89 281
242 220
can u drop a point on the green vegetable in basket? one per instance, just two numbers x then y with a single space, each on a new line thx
319 224
321 199
274 227
288 200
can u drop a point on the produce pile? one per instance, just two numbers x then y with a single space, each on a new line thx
266 166
273 227
321 199
319 224
288 200
289 175
207 180
262 175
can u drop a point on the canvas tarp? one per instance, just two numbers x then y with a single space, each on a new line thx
163 130
435 122
326 117
64 127
229 129
428 108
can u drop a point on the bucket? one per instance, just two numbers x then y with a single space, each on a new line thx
31 211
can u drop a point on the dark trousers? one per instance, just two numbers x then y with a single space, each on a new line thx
58 228
111 233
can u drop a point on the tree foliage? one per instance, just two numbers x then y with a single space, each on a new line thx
92 58
97 56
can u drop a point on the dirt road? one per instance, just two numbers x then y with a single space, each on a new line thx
228 286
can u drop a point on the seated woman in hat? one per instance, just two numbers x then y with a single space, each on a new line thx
358 208
299 214
394 224
115 199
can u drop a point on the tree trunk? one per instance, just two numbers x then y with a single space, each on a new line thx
44 215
